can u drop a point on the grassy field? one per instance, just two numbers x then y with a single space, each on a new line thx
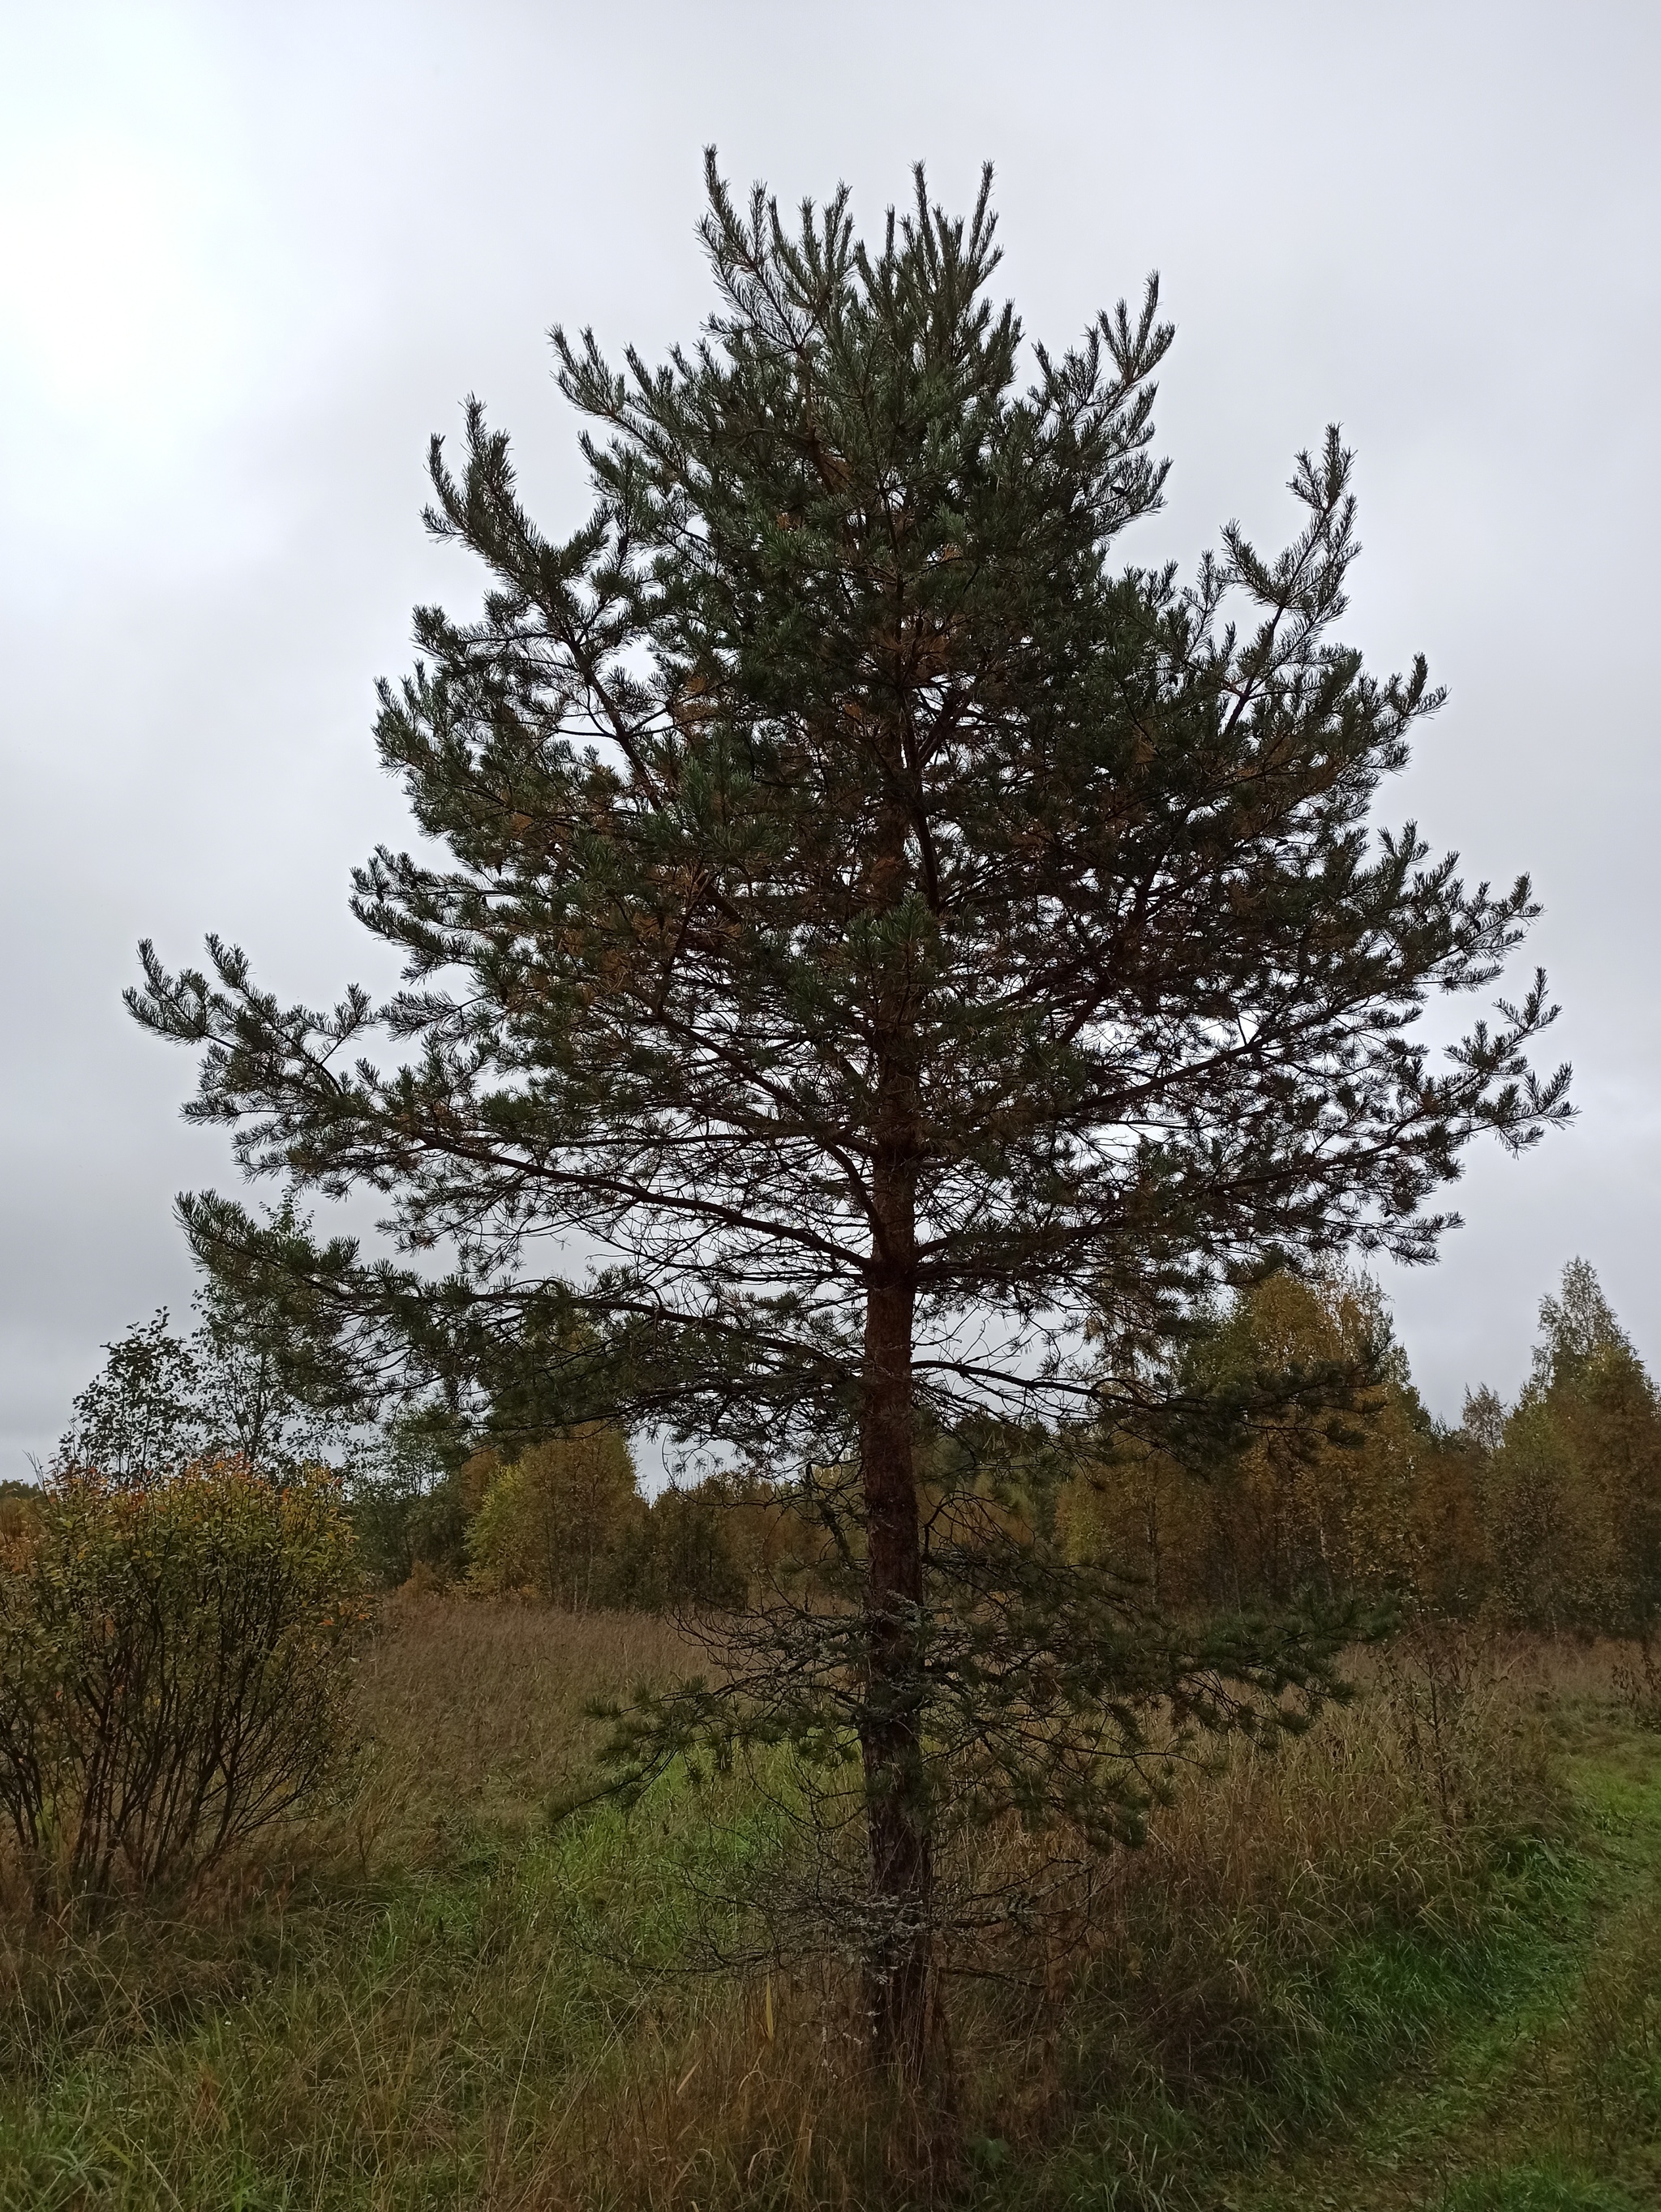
1412 1960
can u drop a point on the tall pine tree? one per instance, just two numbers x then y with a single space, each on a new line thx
893 937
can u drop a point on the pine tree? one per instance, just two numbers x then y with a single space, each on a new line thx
892 935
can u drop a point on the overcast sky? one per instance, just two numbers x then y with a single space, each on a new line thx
252 254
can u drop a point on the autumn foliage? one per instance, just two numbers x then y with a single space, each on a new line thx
1545 1515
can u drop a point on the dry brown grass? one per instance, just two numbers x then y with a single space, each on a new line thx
1190 1969
472 1710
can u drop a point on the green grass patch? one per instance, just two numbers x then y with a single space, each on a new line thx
1546 2188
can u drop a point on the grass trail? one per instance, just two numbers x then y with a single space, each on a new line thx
1547 2096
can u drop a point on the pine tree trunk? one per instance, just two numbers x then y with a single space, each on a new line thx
897 1816
896 1810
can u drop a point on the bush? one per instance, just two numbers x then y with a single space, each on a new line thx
174 1668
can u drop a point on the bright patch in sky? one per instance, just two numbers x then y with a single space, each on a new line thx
107 318
121 327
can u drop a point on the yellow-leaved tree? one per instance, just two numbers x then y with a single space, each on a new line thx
553 1520
1359 1498
1571 1476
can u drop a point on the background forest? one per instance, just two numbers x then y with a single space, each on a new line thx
1543 1515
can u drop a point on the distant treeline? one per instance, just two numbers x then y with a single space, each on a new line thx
1300 1464
1544 1514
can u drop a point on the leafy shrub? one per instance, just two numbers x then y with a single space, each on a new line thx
175 1667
